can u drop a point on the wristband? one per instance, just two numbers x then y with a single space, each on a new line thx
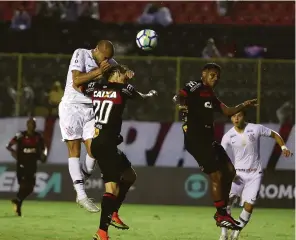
284 147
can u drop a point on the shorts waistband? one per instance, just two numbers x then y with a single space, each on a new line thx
246 170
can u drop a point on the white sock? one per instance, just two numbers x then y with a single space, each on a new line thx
224 231
76 175
90 164
244 217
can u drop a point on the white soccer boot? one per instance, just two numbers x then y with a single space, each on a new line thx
88 204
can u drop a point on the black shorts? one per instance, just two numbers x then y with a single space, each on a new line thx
26 176
210 155
112 161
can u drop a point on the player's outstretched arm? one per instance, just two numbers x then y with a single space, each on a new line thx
80 78
229 111
280 141
150 94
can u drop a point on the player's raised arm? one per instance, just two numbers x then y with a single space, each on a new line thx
229 111
267 132
150 94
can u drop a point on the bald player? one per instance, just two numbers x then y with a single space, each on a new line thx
76 113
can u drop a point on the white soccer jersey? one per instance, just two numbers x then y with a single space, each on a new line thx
82 61
246 146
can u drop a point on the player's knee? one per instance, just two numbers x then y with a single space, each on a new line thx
112 187
216 177
74 148
129 176
87 144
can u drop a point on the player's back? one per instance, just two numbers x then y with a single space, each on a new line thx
81 61
201 102
109 101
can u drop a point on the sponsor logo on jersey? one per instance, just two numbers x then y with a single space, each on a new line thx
105 94
208 105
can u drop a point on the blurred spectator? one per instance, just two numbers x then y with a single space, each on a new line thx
227 47
224 7
210 50
155 14
285 113
54 97
254 51
21 19
6 101
49 9
69 11
88 9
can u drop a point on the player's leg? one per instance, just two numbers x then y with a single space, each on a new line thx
249 197
208 162
128 178
108 161
71 124
89 163
26 187
235 193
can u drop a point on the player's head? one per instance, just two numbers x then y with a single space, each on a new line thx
104 50
31 124
116 73
211 74
238 119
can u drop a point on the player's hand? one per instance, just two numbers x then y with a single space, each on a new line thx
287 153
251 103
104 65
13 154
183 108
130 74
153 93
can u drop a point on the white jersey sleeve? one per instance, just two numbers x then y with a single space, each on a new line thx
225 141
264 131
77 61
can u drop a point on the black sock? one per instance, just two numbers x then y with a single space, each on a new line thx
108 206
24 191
123 189
221 207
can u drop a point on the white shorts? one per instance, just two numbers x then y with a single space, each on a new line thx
246 186
76 121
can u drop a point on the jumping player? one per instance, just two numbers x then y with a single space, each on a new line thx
29 148
199 102
109 101
244 141
76 114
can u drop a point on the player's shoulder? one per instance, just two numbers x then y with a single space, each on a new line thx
229 133
193 85
81 51
20 134
253 126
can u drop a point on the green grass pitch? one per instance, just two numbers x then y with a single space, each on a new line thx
65 221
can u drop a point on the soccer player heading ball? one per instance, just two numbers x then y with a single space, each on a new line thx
197 101
109 100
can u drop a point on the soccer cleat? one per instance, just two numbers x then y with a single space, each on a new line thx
101 235
17 207
88 204
226 221
117 223
234 235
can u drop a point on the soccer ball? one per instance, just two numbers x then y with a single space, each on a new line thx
146 39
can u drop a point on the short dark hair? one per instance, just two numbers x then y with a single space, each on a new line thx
244 112
209 66
116 68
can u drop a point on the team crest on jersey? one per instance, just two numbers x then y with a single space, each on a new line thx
252 138
105 94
